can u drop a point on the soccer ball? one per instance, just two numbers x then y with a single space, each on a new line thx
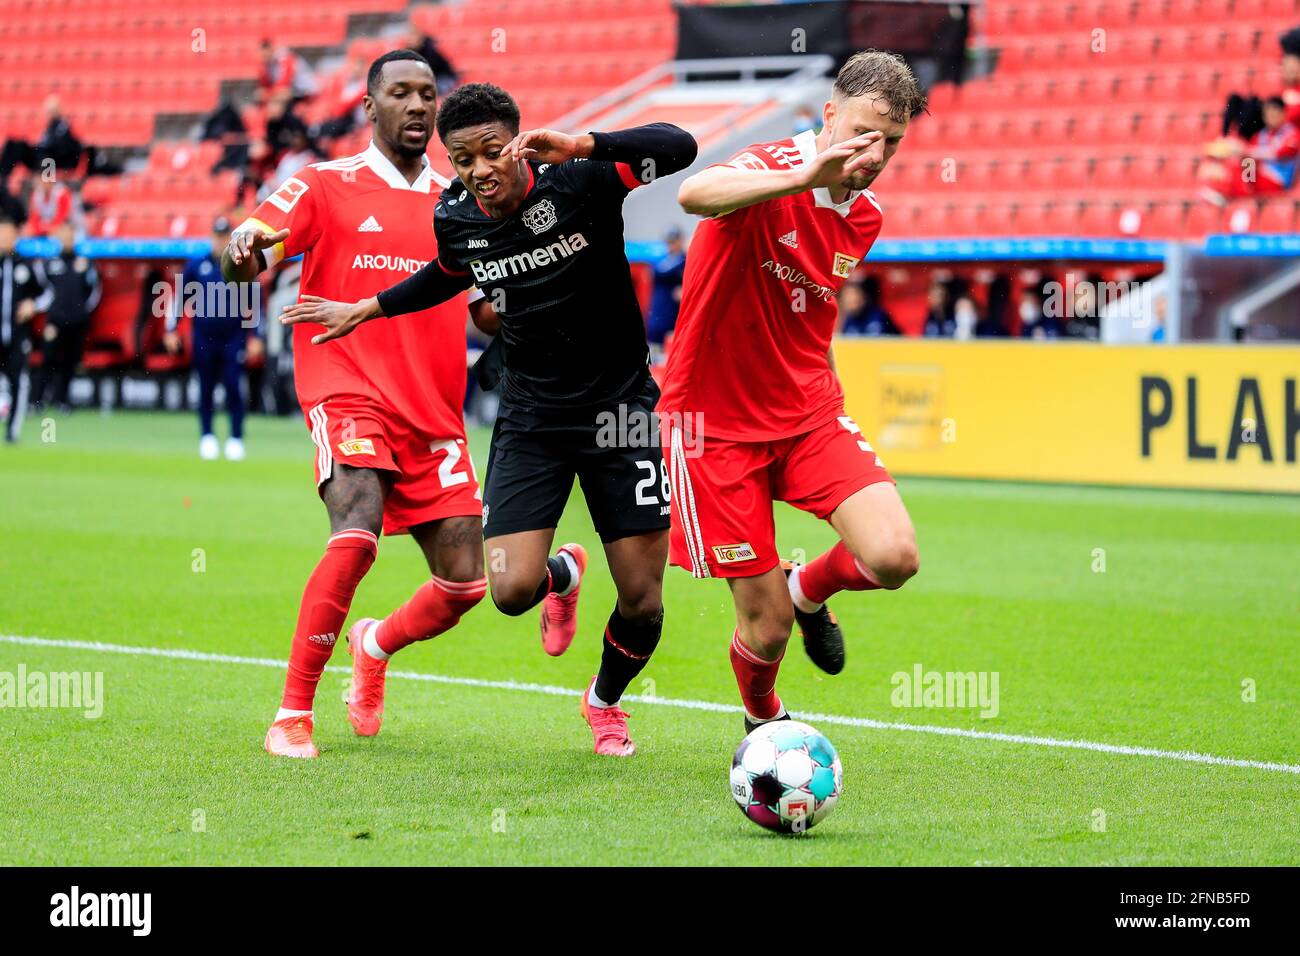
786 776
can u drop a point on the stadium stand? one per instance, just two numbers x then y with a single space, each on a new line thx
1091 122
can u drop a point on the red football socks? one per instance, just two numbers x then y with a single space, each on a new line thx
433 609
325 603
836 570
756 679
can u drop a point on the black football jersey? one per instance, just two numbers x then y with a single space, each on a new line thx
557 273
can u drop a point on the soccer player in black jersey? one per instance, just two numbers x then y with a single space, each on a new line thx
536 222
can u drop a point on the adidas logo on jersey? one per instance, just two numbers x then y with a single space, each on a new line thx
791 239
370 225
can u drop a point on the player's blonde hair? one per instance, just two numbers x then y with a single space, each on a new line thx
884 76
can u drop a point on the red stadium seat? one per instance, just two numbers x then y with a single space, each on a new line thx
1277 215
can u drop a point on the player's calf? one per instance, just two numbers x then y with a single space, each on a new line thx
765 618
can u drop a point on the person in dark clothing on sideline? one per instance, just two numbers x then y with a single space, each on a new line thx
71 293
222 318
20 288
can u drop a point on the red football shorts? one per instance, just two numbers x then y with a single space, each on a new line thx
431 480
722 491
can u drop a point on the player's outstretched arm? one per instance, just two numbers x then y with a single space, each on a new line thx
719 190
423 290
242 258
653 150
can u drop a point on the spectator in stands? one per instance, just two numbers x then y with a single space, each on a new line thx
1264 167
1083 320
969 322
1243 117
20 288
52 206
264 155
444 74
12 208
224 330
939 322
71 294
225 126
299 154
1290 91
1035 321
861 312
283 71
57 144
666 294
346 112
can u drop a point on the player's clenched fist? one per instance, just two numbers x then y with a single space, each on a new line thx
339 318
244 244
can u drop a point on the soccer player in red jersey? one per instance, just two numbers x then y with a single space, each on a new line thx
752 410
383 407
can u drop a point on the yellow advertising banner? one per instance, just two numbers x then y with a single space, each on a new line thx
1177 416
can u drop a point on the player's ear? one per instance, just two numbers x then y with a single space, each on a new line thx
828 113
368 102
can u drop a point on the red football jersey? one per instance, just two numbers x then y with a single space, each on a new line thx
758 306
363 228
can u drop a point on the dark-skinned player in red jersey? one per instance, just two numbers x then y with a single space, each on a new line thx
536 222
384 408
786 224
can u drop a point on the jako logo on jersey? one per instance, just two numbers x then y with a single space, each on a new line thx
844 265
326 639
478 244
287 196
494 270
791 239
791 274
540 217
357 446
733 553
370 225
392 263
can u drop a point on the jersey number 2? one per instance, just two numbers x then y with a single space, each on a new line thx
447 474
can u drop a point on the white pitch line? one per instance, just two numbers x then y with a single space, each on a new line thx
1186 756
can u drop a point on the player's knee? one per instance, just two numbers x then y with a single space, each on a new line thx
512 596
642 609
463 565
897 562
771 637
770 629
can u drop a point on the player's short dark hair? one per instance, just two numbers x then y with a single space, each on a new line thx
1276 102
375 75
885 76
474 104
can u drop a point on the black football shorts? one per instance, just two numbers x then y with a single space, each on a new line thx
614 453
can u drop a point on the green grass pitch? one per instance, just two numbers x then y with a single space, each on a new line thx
1196 606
